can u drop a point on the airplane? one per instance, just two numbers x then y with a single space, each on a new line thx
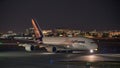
59 44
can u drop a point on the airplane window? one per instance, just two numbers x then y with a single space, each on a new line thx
76 41
81 41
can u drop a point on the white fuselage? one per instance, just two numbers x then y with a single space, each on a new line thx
73 43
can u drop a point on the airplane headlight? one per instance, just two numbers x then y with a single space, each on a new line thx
96 49
91 51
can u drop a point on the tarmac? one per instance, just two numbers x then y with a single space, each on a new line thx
20 59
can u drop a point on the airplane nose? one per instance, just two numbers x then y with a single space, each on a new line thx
94 46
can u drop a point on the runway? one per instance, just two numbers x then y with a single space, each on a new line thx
15 57
21 59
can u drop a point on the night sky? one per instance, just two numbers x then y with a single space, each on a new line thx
84 15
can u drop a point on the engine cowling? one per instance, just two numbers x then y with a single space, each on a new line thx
52 49
28 47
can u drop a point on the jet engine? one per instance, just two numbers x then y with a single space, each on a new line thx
52 49
28 47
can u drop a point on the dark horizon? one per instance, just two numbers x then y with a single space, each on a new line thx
84 15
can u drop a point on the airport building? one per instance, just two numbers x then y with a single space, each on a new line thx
67 33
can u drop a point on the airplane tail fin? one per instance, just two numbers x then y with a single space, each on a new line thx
38 31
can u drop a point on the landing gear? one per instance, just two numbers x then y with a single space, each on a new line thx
54 49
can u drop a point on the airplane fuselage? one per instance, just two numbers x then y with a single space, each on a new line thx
73 43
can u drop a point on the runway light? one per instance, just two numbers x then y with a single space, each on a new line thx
91 51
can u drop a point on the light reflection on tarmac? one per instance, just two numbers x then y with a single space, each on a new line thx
59 60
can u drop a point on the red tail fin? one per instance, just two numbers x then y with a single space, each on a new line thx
37 30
